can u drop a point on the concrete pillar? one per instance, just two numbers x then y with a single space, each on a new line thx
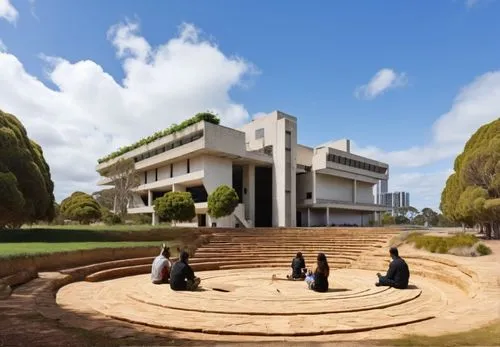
155 220
251 193
355 191
328 216
308 217
150 198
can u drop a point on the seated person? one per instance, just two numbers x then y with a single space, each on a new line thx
182 275
298 267
398 274
318 281
160 270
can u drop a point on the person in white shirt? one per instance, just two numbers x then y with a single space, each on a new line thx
160 270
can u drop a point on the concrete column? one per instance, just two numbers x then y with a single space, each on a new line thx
150 198
251 193
155 220
355 191
308 217
328 216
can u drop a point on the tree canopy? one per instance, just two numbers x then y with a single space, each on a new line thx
26 186
222 201
472 193
80 207
175 207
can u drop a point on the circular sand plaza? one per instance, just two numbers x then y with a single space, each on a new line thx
245 296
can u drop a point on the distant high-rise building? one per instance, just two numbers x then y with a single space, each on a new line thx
395 200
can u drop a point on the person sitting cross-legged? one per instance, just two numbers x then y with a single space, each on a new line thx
298 268
182 275
160 270
398 274
318 281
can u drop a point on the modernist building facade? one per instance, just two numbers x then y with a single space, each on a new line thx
395 200
280 183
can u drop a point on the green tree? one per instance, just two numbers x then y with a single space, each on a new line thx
388 219
175 207
22 159
81 207
222 201
471 193
430 216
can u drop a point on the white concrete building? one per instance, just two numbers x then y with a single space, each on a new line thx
280 183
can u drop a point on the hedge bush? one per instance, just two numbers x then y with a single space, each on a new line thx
204 116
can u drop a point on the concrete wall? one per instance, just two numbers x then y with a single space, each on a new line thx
364 192
339 217
304 185
334 188
318 217
218 171
304 155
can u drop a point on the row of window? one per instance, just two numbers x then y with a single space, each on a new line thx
171 145
188 170
355 163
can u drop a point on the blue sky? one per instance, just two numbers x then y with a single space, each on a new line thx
307 59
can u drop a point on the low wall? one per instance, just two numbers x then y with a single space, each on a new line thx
66 260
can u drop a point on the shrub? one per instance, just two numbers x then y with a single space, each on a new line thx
80 207
222 201
460 244
204 116
482 249
175 207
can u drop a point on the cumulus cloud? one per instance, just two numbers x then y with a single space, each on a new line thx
425 188
90 114
383 80
476 104
8 11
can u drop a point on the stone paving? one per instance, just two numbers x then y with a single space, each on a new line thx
238 302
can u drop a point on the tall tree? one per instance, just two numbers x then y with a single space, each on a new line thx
471 193
125 179
25 174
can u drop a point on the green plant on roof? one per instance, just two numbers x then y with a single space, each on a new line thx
204 116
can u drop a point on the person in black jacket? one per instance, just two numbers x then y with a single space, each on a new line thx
182 275
298 267
398 274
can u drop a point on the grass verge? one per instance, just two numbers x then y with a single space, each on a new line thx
8 250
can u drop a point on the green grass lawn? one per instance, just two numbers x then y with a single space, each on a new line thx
31 248
117 227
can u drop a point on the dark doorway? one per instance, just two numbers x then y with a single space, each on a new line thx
202 220
299 218
199 193
238 181
263 196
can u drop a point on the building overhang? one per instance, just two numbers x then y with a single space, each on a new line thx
342 205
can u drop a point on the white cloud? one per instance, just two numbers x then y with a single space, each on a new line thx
3 47
476 104
425 188
90 114
7 11
383 80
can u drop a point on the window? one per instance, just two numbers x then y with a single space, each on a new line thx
171 170
188 166
156 174
145 177
309 195
288 139
259 133
288 155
